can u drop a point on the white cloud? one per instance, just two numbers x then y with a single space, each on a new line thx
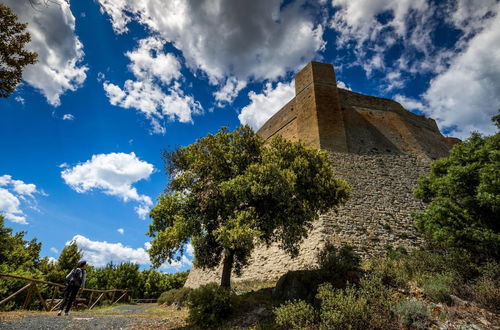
408 23
341 84
467 94
53 249
52 260
230 41
263 106
100 253
13 193
121 230
229 91
68 116
156 93
19 99
114 174
52 28
409 103
190 250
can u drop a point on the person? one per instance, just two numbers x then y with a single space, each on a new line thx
74 281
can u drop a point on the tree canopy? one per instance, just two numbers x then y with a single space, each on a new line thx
463 192
13 55
230 190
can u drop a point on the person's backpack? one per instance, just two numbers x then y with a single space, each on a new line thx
74 277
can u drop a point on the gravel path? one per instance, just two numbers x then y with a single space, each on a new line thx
120 317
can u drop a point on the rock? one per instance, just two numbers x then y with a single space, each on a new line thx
458 301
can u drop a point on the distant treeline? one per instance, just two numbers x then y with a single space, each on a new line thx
21 257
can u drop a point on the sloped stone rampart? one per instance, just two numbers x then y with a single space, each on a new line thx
376 216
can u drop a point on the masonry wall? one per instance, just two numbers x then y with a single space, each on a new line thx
377 216
380 148
284 122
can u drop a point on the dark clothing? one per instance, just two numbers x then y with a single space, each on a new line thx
69 296
74 280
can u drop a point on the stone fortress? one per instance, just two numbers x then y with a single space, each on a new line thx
376 145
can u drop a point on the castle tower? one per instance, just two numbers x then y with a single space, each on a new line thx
318 108
376 145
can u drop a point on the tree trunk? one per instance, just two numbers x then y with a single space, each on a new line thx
227 267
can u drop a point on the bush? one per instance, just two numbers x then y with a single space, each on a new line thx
295 315
379 299
174 296
209 305
342 309
438 287
411 314
486 289
338 261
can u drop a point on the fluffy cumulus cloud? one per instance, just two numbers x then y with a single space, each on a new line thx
465 90
466 95
114 174
372 28
14 193
229 41
100 253
156 91
264 105
52 28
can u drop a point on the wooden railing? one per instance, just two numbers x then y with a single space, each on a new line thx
52 305
145 300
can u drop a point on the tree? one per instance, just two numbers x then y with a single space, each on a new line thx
13 55
19 257
230 190
463 192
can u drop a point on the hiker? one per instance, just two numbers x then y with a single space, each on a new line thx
74 281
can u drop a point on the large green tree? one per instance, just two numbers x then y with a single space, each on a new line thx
463 192
231 190
13 55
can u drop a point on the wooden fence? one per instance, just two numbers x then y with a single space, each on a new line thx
53 303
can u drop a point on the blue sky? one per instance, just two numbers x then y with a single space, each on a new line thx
118 81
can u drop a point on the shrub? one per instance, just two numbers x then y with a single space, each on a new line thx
379 299
438 287
174 296
342 309
209 305
486 289
295 315
338 261
411 314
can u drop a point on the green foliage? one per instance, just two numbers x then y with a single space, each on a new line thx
141 284
295 315
486 288
335 261
67 261
464 195
69 257
438 287
175 296
18 257
13 55
230 190
412 314
209 305
342 309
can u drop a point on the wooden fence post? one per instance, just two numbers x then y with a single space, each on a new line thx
15 294
28 296
42 301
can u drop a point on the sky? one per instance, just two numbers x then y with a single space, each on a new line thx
119 81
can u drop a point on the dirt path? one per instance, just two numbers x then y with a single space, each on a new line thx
140 316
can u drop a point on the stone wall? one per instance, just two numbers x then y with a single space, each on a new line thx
380 148
376 216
